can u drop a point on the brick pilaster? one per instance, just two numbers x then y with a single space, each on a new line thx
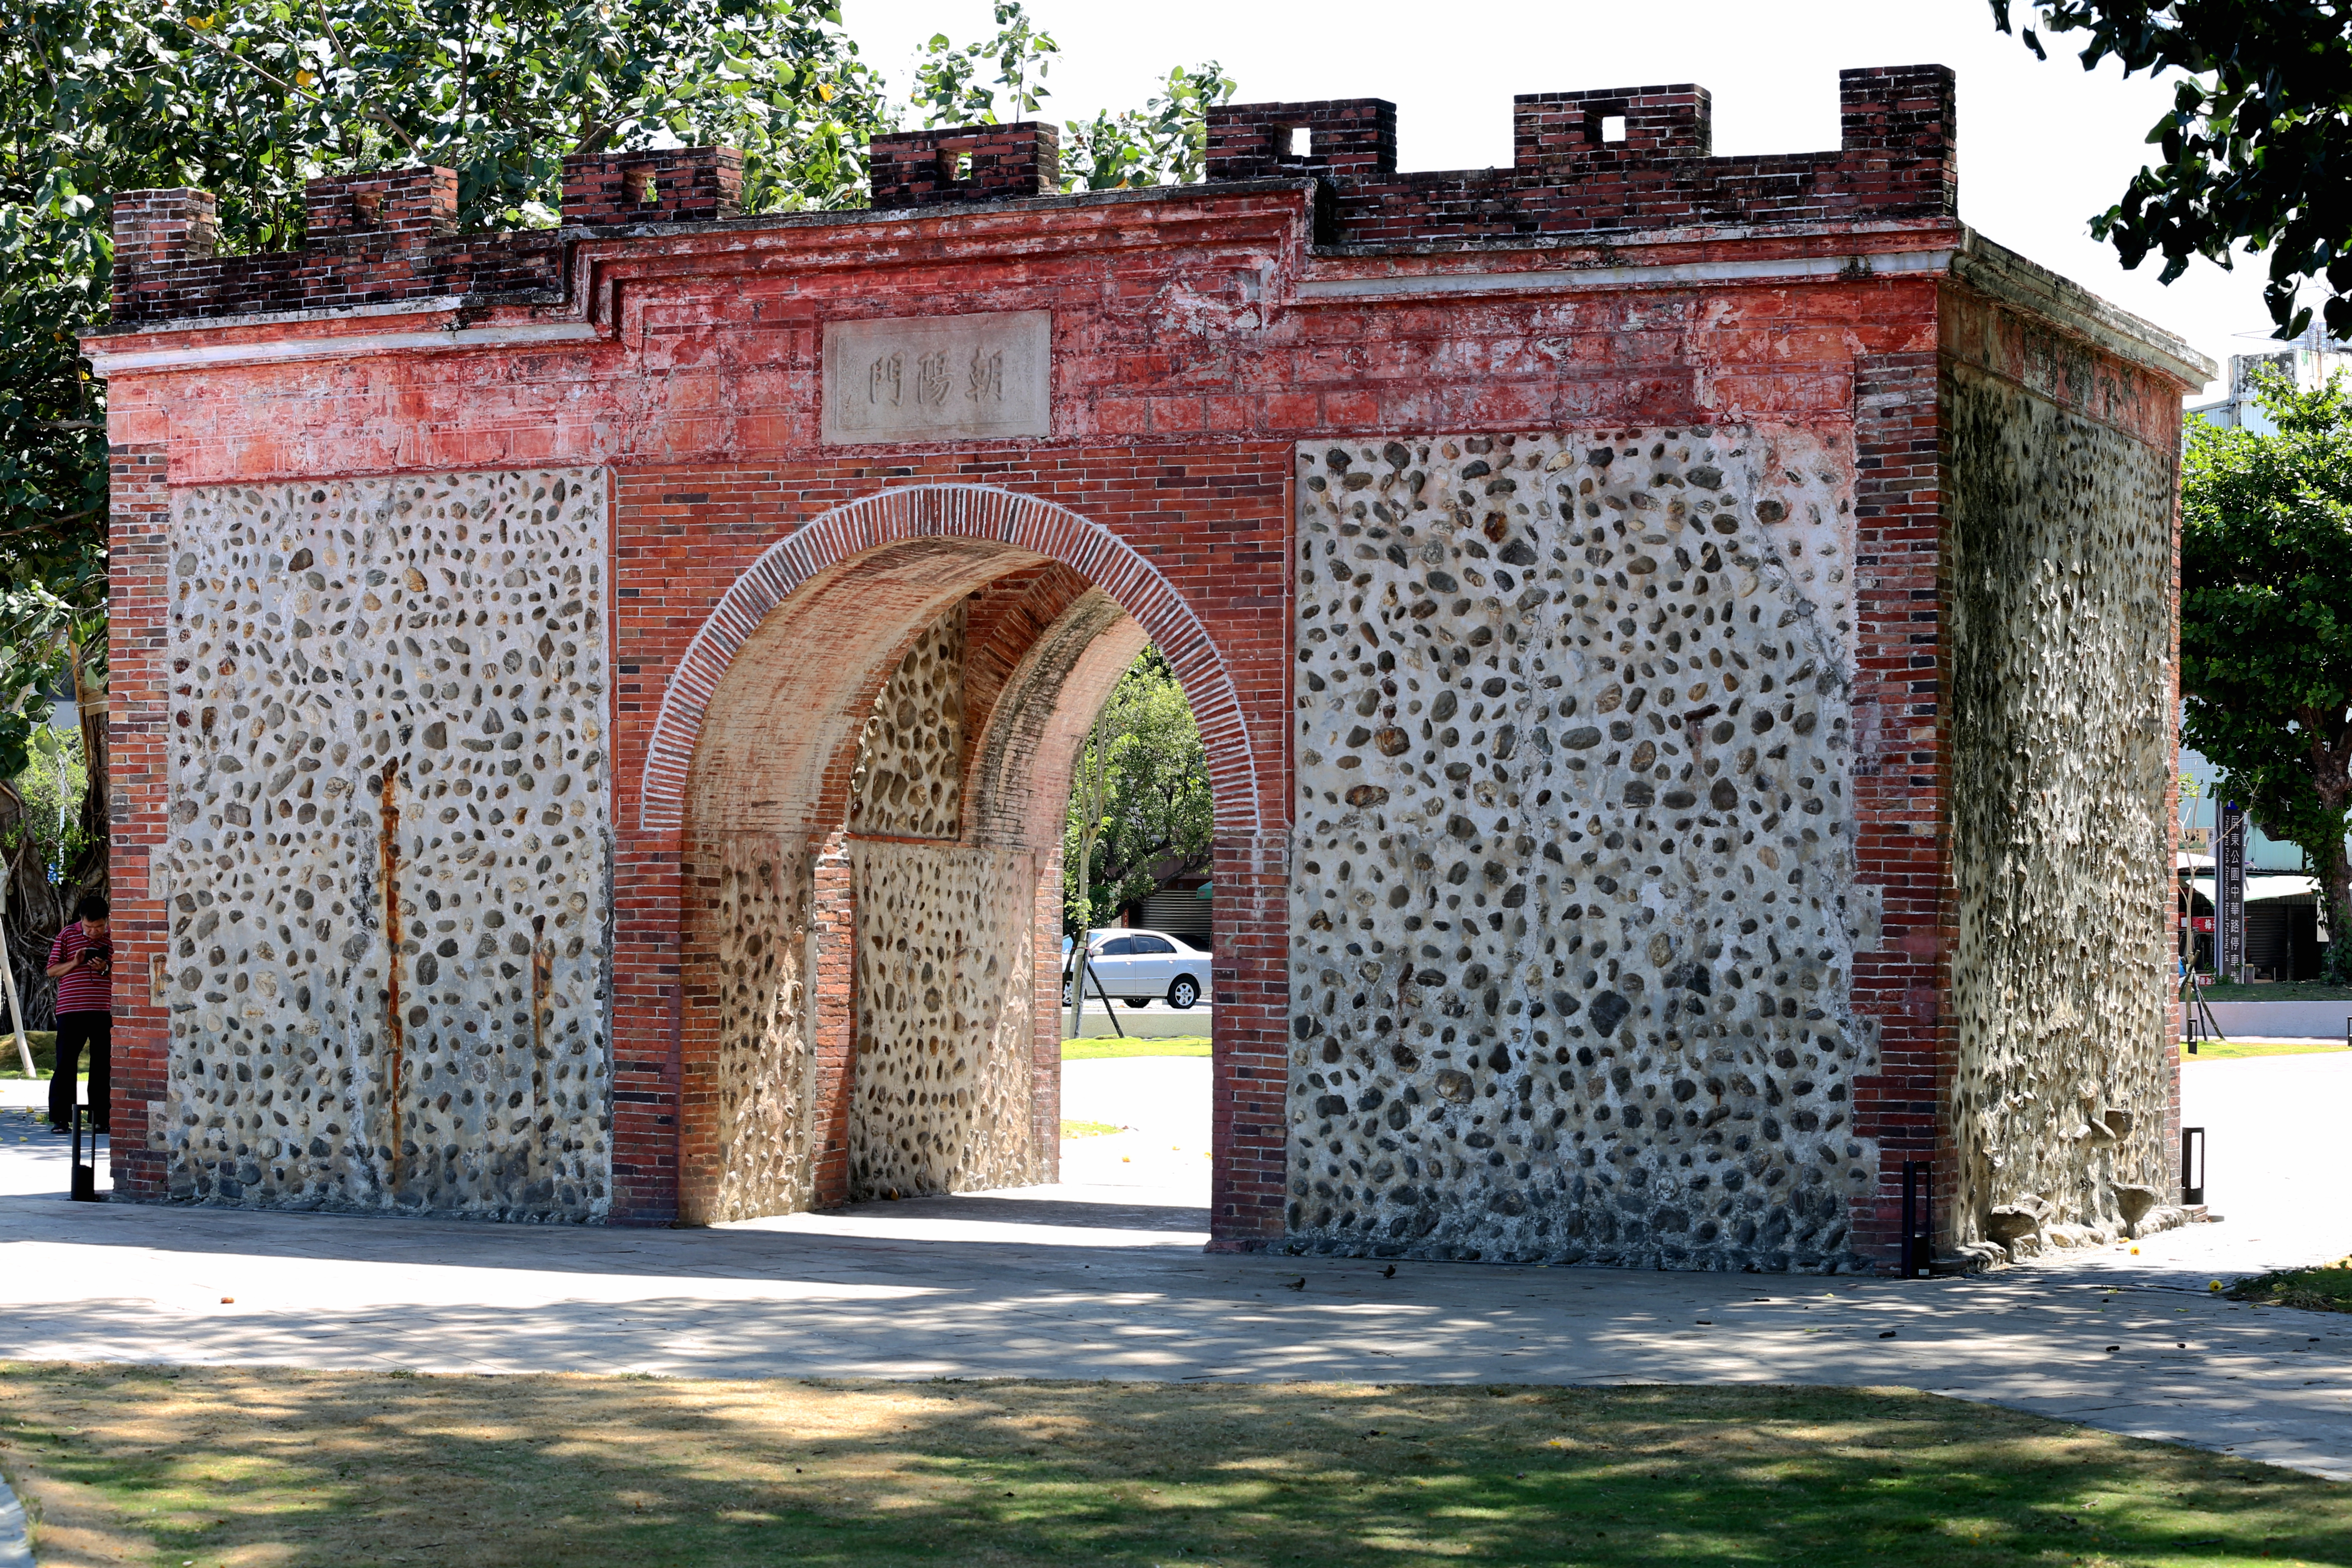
138 540
1902 777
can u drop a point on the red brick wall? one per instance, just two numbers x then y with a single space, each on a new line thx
1899 777
137 760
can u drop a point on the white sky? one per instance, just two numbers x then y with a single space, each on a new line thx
2041 146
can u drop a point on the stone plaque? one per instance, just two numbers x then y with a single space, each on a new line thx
939 378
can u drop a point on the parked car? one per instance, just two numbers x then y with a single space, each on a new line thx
1139 966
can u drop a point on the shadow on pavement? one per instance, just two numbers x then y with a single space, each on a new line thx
1089 1213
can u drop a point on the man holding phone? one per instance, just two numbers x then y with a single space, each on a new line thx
81 961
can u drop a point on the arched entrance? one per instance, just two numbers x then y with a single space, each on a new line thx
866 754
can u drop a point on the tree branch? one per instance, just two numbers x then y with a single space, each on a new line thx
390 124
341 54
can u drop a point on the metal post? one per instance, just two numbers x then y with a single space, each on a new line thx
1918 1233
85 1177
2192 1166
1109 1012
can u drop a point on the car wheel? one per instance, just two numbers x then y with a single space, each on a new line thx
1137 1001
1065 993
1184 992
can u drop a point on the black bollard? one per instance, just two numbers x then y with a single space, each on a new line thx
1918 1230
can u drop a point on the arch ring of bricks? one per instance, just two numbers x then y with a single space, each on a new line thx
909 512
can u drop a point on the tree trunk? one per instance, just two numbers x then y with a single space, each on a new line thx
2331 781
1090 794
36 911
91 870
2334 888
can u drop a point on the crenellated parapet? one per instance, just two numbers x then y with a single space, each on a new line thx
391 237
382 238
966 163
1605 161
674 186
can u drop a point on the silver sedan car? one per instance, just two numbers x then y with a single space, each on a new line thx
1140 965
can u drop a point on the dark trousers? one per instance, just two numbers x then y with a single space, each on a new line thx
74 1030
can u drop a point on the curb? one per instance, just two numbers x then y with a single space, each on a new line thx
15 1540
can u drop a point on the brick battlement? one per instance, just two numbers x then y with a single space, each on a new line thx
967 164
677 185
1615 159
1600 161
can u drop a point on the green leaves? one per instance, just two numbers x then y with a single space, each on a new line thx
2257 152
1164 144
948 86
2266 615
1157 820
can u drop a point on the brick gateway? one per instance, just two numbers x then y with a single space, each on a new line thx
1684 645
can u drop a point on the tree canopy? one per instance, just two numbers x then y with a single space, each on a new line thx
2257 148
1157 821
2266 621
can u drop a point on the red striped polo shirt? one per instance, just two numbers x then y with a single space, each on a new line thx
83 991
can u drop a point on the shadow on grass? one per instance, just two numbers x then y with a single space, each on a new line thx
218 1466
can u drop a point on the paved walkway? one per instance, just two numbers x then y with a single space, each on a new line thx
1103 1277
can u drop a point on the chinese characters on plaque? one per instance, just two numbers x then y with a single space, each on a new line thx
930 378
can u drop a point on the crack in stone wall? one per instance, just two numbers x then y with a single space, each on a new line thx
2062 644
447 634
756 931
1571 939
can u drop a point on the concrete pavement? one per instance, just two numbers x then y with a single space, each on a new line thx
1103 1277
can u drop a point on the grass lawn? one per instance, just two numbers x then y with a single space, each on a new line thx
1092 1049
43 1043
2230 1049
2325 1289
222 1467
2281 991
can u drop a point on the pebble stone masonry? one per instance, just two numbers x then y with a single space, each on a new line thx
1685 648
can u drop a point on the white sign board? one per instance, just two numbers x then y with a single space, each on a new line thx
939 378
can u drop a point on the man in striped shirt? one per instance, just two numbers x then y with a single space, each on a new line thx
81 961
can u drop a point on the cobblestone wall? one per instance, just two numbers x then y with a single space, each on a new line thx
945 943
2062 644
945 993
909 778
1570 943
387 726
754 934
